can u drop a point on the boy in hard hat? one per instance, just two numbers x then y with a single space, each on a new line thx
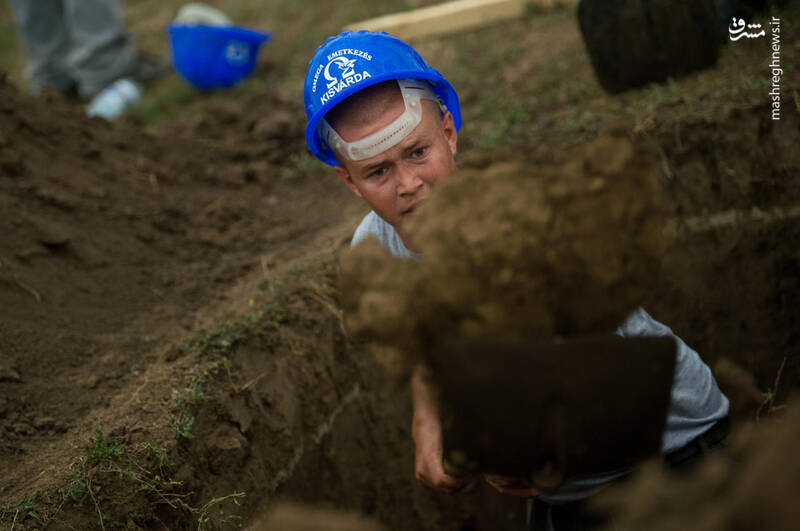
388 124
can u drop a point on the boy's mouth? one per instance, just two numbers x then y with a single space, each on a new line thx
412 208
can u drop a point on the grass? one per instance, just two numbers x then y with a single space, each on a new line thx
204 516
107 467
188 398
103 450
185 425
27 508
104 458
501 119
107 461
101 454
144 465
224 337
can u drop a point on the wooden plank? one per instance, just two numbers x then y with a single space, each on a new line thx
445 18
450 17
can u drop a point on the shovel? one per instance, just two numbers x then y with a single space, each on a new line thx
546 411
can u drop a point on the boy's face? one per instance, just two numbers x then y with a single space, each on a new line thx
395 182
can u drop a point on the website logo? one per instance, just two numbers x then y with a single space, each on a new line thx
736 30
739 28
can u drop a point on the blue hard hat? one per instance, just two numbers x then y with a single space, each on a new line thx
211 57
352 61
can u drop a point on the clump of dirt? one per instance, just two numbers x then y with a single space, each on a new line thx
538 250
294 517
753 486
739 386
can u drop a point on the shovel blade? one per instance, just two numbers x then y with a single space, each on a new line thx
553 409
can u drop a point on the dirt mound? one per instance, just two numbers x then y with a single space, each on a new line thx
262 128
115 238
104 222
753 486
529 250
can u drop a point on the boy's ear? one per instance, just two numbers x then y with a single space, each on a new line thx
344 175
450 131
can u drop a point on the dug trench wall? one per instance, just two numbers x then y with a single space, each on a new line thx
728 282
726 288
731 280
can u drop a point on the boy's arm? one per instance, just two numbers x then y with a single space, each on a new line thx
426 430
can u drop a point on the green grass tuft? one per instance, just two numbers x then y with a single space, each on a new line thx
103 450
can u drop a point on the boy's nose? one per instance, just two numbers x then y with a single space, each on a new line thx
408 182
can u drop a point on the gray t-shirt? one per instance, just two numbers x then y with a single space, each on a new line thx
373 225
695 399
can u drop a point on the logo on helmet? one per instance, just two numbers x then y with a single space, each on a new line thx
340 72
344 64
237 53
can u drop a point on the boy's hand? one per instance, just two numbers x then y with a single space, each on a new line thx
426 430
429 466
512 486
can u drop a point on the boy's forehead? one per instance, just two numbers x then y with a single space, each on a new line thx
424 133
367 111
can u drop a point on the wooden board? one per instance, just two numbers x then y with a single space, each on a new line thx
450 17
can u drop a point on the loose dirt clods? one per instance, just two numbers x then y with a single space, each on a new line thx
750 488
532 250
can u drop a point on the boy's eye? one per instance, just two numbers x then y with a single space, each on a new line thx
378 173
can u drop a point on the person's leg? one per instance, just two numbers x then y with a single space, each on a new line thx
41 25
102 51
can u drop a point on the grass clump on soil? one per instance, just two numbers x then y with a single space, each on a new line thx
189 397
223 338
108 465
100 454
204 518
103 449
27 508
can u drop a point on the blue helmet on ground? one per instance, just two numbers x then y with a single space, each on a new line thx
352 61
